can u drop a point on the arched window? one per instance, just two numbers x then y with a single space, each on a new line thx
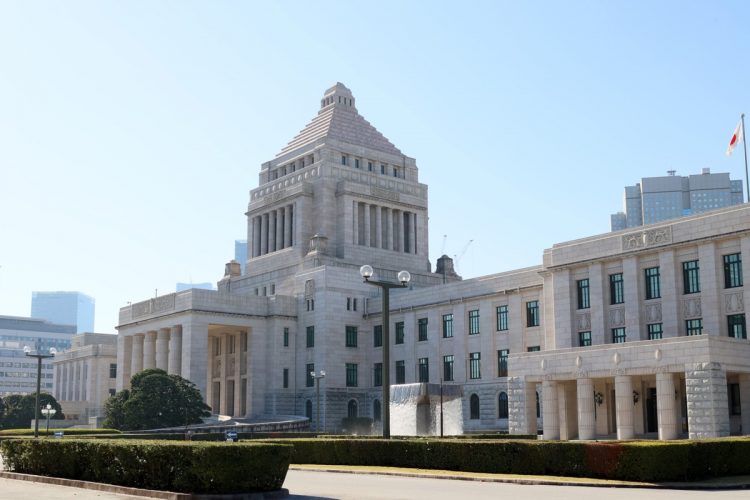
538 413
502 405
351 409
308 409
474 407
376 411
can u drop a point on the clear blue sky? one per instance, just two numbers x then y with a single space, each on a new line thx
131 132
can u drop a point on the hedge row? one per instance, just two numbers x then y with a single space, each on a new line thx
651 461
183 467
67 431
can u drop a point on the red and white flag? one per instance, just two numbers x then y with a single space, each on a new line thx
736 138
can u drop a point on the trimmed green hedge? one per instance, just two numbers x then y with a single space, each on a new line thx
67 431
650 461
220 468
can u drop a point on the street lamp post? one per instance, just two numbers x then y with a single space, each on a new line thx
403 278
48 412
39 357
317 376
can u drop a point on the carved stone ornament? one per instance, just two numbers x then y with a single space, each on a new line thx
649 238
653 313
309 289
734 302
691 308
617 317
584 322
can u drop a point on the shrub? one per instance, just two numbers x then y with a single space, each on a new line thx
220 468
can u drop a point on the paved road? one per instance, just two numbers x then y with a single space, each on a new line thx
331 485
11 489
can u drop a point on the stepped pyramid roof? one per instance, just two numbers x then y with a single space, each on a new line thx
338 119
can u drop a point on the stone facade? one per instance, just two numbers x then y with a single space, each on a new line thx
592 342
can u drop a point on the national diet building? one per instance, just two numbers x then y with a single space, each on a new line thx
635 333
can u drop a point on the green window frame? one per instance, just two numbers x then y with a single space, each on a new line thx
448 368
400 332
422 329
424 370
474 322
352 375
475 368
502 318
309 380
532 313
618 335
616 289
655 331
736 326
310 336
400 372
351 336
377 336
584 339
584 299
691 277
502 362
286 337
694 327
286 378
653 283
377 375
447 326
733 270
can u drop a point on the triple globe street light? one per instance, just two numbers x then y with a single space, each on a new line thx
403 277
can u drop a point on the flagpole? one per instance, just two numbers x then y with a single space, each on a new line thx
744 146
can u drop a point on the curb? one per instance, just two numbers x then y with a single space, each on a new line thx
537 481
140 492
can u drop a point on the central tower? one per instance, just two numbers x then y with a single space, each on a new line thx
342 191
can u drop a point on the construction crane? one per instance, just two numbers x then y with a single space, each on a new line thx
457 258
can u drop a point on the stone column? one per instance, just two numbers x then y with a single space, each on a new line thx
397 232
272 231
256 235
388 229
707 400
586 420
279 229
711 274
195 354
665 405
566 410
264 234
367 224
149 351
745 401
137 356
162 348
124 360
355 222
624 405
671 289
632 284
550 415
175 351
287 226
379 227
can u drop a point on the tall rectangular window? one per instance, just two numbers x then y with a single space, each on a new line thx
474 322
694 327
286 378
736 326
400 332
732 270
584 339
377 375
690 277
310 336
502 318
447 325
502 363
422 327
655 331
309 369
532 313
400 372
448 368
474 366
584 301
652 283
343 159
424 370
616 289
618 335
351 336
377 336
735 404
113 370
286 337
351 374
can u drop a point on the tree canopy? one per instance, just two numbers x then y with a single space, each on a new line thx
17 410
155 400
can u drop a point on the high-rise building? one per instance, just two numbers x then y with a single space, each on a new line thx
656 199
18 371
625 334
65 308
240 253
